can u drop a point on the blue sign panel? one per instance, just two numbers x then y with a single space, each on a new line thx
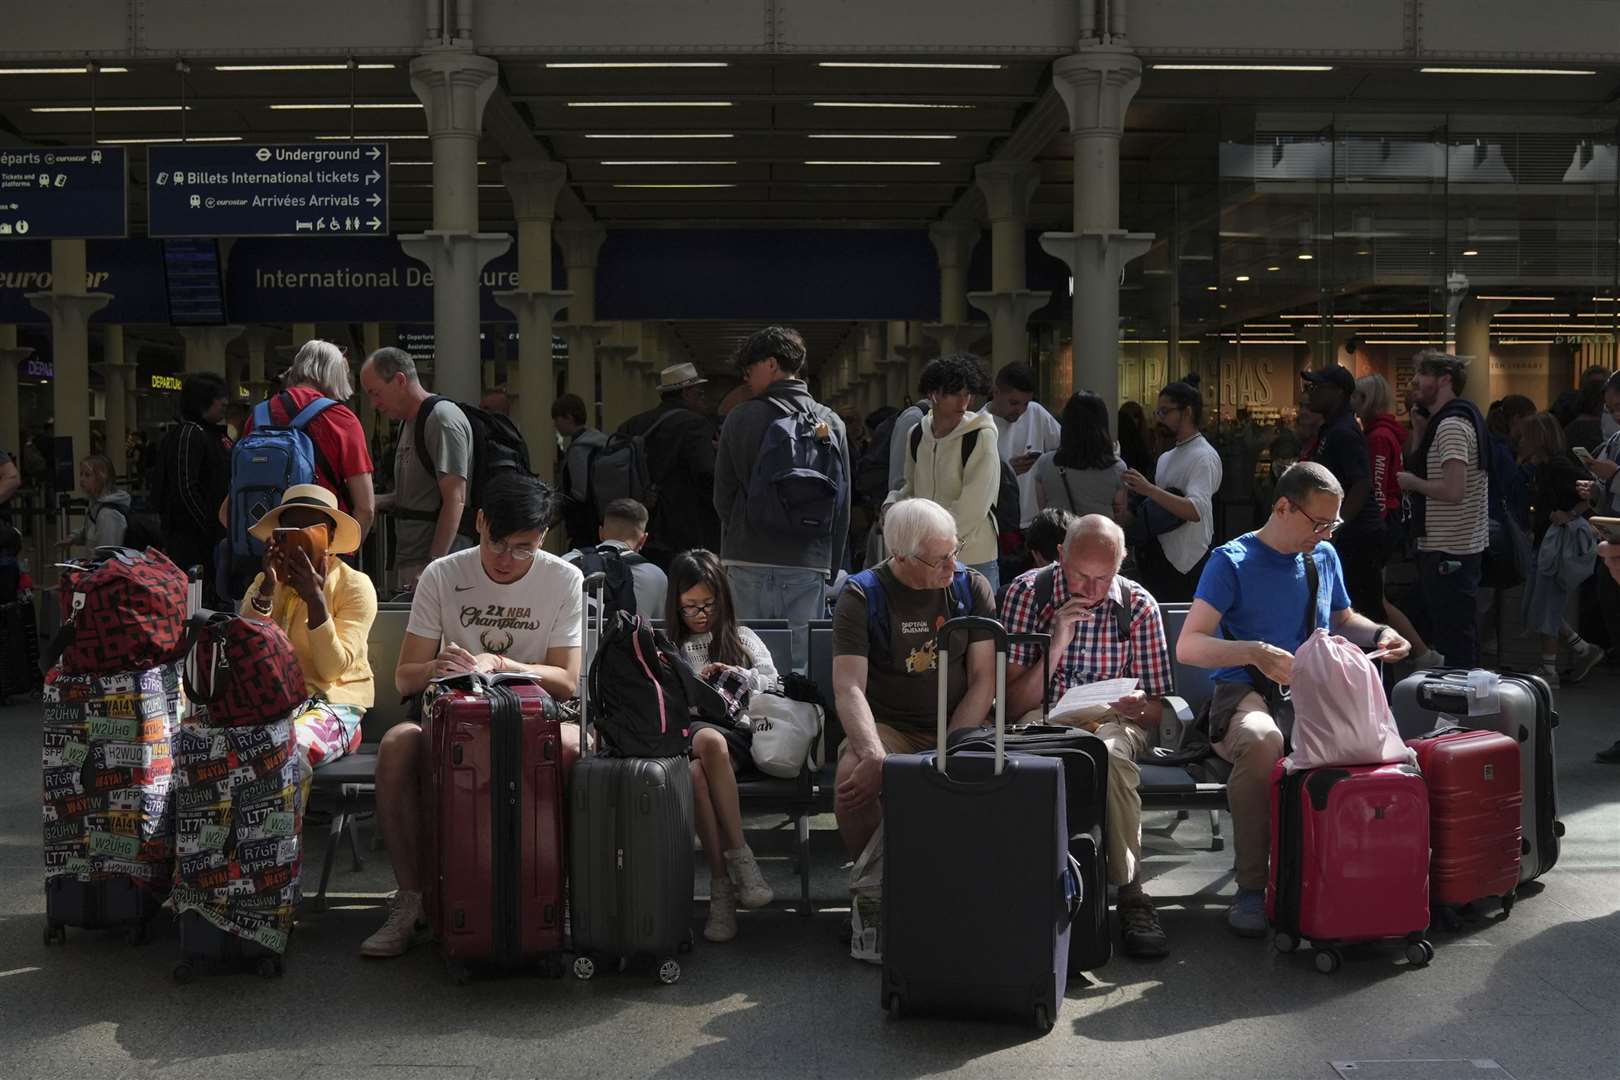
63 193
240 190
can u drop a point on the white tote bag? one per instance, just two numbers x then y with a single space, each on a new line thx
785 732
1341 716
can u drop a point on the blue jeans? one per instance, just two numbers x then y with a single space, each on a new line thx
795 593
1449 599
992 573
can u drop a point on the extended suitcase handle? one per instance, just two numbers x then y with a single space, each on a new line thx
590 636
998 635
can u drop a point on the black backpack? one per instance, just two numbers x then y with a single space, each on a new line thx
1008 508
142 531
872 468
497 446
614 563
644 695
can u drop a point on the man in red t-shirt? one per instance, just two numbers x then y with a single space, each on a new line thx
344 466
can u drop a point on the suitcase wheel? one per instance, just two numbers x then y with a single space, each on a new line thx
1284 943
584 967
269 967
1419 953
55 934
182 973
896 1010
1328 961
1043 1019
669 972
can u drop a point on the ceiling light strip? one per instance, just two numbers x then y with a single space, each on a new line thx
63 71
108 108
650 135
171 139
1244 67
907 66
884 105
618 64
301 67
329 106
649 104
1502 71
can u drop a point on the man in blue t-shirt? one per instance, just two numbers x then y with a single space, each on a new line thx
1254 607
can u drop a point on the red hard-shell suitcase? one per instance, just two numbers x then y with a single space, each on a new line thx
493 834
1349 860
1476 801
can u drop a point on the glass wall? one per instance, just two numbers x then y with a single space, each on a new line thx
1286 241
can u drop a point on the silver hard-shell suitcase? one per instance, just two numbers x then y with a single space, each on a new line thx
1520 707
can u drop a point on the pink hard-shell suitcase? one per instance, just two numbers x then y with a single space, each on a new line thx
1349 860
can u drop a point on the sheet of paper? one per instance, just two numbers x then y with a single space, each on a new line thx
1090 695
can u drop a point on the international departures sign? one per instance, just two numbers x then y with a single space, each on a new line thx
63 192
326 189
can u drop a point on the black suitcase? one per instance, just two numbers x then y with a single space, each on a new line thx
1085 782
976 914
1523 711
630 834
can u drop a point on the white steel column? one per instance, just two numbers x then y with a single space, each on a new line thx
1096 85
1007 188
454 85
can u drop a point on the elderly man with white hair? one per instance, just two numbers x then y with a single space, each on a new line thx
885 663
1103 627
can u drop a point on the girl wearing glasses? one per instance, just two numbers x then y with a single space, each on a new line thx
704 627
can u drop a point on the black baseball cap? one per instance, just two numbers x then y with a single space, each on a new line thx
1334 375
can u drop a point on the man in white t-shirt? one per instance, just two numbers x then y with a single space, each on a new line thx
1186 478
1025 431
504 606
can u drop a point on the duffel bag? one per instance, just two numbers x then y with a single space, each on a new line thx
785 733
125 611
242 671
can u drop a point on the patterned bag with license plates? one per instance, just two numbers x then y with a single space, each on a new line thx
243 671
125 611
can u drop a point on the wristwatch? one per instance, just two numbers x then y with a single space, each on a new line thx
1379 631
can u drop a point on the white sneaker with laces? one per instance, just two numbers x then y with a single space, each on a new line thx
752 889
406 924
722 924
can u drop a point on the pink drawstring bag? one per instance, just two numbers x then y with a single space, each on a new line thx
1341 716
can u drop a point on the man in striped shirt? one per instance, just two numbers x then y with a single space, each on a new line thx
1103 626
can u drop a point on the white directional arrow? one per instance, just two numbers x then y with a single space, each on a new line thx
375 223
375 200
373 176
375 154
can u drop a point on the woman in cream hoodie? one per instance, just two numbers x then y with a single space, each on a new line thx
952 458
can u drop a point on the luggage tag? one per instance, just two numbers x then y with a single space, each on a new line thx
1483 693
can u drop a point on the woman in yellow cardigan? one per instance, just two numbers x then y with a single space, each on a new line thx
326 609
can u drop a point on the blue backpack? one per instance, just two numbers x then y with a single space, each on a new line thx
799 479
265 463
878 635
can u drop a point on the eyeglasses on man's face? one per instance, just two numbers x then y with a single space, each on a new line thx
935 564
1165 410
1319 526
505 550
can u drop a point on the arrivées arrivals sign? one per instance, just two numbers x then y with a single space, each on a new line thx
63 193
325 189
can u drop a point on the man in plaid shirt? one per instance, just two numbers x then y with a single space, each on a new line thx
1103 626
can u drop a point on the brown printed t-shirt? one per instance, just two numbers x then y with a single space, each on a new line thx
903 687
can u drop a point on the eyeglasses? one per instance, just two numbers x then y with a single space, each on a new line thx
1165 410
694 610
1318 526
507 551
935 564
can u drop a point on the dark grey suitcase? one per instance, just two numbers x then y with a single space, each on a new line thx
976 915
630 832
1522 710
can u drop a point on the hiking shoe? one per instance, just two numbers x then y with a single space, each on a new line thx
722 924
1583 657
406 924
743 870
1611 756
1139 925
1247 915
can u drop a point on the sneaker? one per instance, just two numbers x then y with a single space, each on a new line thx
1139 924
1549 673
1611 756
722 924
752 890
1247 915
405 926
1583 657
1429 661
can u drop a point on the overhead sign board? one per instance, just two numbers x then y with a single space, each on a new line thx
326 189
63 193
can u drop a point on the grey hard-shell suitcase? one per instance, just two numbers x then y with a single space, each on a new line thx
976 914
630 832
1522 709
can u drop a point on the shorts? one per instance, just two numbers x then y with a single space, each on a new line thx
901 740
738 740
